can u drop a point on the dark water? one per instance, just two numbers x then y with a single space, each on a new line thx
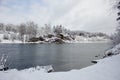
63 57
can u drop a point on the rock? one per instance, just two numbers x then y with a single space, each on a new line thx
34 39
50 35
109 54
41 38
96 56
58 41
94 62
50 71
4 69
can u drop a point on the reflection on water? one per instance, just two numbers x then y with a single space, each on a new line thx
63 57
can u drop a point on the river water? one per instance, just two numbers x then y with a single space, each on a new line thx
63 57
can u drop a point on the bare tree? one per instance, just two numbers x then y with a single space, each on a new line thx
2 26
31 29
47 29
22 30
57 29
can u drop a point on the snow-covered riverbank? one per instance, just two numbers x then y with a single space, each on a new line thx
106 69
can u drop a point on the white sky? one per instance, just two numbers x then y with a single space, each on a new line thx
87 15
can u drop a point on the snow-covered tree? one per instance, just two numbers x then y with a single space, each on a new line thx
57 29
116 37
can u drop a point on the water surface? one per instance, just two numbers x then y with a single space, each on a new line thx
63 57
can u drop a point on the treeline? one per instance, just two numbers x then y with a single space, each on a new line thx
27 31
19 31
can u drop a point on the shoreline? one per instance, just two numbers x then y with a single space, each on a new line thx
107 41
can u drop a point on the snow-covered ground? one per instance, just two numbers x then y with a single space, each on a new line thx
106 69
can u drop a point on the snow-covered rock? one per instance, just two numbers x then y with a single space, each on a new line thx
115 50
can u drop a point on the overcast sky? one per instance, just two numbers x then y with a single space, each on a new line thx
87 15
